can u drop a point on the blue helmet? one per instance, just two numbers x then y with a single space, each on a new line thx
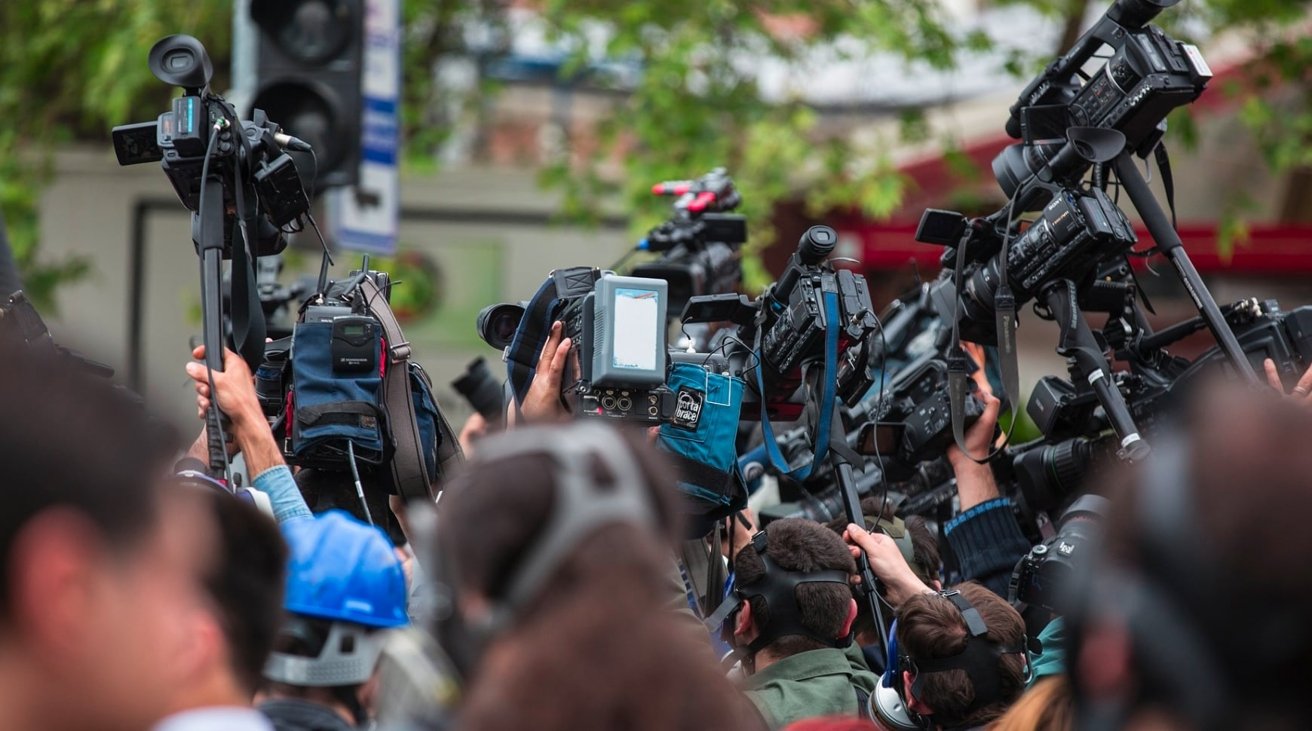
345 571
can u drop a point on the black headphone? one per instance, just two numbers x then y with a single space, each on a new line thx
777 588
978 659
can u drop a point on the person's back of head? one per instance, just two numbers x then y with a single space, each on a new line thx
824 609
245 586
345 588
962 657
1216 519
96 588
562 610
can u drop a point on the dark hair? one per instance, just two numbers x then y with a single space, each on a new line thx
599 648
245 583
325 490
931 626
925 559
797 544
71 440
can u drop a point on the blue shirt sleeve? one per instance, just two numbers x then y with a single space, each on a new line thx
288 505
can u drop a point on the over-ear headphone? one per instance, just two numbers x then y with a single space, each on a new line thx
777 588
978 659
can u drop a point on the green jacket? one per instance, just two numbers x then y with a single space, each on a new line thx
810 684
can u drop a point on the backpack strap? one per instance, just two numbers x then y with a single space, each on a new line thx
409 473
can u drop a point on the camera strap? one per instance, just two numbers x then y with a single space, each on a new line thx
828 387
535 327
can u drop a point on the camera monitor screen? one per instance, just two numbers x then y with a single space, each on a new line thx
630 331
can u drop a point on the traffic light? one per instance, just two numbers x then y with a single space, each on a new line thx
307 79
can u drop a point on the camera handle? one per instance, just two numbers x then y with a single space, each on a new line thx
1078 344
1168 242
210 247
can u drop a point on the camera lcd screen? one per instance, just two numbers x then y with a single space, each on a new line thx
638 322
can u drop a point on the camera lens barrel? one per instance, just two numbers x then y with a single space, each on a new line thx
481 390
497 324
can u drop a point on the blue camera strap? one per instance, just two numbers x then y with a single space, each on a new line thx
829 388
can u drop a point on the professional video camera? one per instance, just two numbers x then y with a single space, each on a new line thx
813 314
202 138
235 179
699 243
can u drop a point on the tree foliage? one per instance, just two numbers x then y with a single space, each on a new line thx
70 69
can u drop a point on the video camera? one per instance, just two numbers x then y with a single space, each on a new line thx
700 242
811 309
202 137
1145 77
1076 231
914 422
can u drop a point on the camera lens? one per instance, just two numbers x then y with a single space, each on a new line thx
977 295
481 390
1135 14
497 324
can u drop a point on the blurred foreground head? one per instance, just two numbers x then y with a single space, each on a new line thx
1199 616
555 544
98 591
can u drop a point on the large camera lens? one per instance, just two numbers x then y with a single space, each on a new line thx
1049 475
977 295
481 390
497 324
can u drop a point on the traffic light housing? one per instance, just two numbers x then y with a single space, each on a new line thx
309 56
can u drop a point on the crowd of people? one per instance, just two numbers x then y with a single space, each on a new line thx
545 589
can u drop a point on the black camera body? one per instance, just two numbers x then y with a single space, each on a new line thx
700 242
790 322
202 135
915 420
1043 577
1076 231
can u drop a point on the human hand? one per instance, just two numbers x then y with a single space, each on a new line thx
475 428
979 437
542 403
887 563
742 526
1302 391
236 393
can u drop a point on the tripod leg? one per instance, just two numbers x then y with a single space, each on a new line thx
1168 241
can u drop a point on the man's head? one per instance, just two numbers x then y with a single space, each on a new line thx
97 580
243 582
935 638
825 609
